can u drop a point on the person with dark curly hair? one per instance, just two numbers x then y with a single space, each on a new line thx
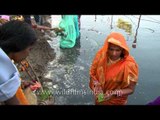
16 41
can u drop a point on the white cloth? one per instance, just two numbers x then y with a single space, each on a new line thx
9 77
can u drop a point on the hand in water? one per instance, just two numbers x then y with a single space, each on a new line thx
98 91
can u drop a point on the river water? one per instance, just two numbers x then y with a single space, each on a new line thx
70 69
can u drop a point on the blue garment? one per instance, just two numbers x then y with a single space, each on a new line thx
9 77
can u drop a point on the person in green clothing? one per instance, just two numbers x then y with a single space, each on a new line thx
69 25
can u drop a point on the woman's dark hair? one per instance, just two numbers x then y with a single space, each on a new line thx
16 36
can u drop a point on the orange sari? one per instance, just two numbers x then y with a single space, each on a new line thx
115 76
21 97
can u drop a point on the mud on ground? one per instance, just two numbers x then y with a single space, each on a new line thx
41 54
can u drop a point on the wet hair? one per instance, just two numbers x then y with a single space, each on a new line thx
16 36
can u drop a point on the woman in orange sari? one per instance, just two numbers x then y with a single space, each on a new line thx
114 72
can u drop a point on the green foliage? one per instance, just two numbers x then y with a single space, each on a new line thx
44 95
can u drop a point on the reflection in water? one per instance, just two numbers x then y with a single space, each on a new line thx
95 18
70 75
69 55
135 37
111 22
125 25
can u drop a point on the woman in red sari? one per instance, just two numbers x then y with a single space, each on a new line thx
114 72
